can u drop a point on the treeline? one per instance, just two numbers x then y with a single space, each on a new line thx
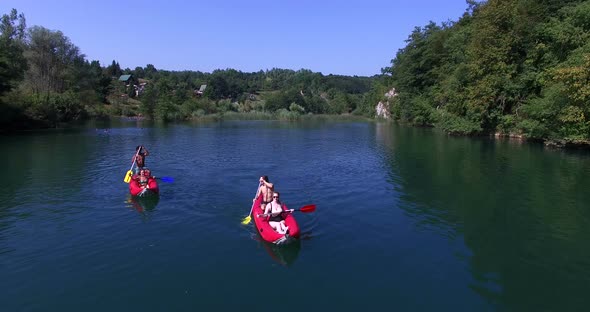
514 67
45 81
173 95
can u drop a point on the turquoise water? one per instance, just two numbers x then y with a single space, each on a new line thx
406 219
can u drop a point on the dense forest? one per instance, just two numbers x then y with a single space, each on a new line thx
506 67
45 81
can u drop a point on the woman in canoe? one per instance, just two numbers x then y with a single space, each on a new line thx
275 210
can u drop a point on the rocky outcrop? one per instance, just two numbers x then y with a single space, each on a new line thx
382 110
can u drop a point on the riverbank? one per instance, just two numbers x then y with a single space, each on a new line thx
253 115
549 143
290 116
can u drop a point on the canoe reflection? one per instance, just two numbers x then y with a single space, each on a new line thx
285 255
143 205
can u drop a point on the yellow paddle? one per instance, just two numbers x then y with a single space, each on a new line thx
129 173
249 217
247 220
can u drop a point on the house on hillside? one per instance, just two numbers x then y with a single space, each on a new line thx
201 90
130 82
126 82
125 78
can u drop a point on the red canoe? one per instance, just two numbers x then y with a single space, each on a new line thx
137 190
267 232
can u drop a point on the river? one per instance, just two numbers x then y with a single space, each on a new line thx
407 219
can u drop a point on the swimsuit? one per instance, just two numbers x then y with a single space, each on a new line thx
277 218
140 160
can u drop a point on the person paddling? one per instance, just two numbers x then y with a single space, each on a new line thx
265 189
139 157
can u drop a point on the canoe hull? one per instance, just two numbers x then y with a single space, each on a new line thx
136 190
267 233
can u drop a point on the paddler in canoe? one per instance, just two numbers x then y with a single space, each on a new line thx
276 210
139 158
265 189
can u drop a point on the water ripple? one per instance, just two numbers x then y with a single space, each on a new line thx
483 221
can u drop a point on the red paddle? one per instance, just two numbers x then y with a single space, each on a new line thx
304 209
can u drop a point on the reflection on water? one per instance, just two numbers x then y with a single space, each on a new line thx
284 255
522 211
403 214
145 206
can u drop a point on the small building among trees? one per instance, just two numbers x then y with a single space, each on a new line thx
201 90
126 78
133 87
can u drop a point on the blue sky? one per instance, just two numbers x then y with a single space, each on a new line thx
331 37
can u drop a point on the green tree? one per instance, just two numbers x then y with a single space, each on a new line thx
150 71
53 76
114 70
139 72
12 62
148 101
51 56
217 88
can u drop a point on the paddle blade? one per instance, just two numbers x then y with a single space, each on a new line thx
308 208
128 175
246 220
167 179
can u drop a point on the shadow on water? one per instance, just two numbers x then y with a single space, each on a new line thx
521 210
145 206
284 255
43 169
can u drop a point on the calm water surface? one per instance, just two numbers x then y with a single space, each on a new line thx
407 219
